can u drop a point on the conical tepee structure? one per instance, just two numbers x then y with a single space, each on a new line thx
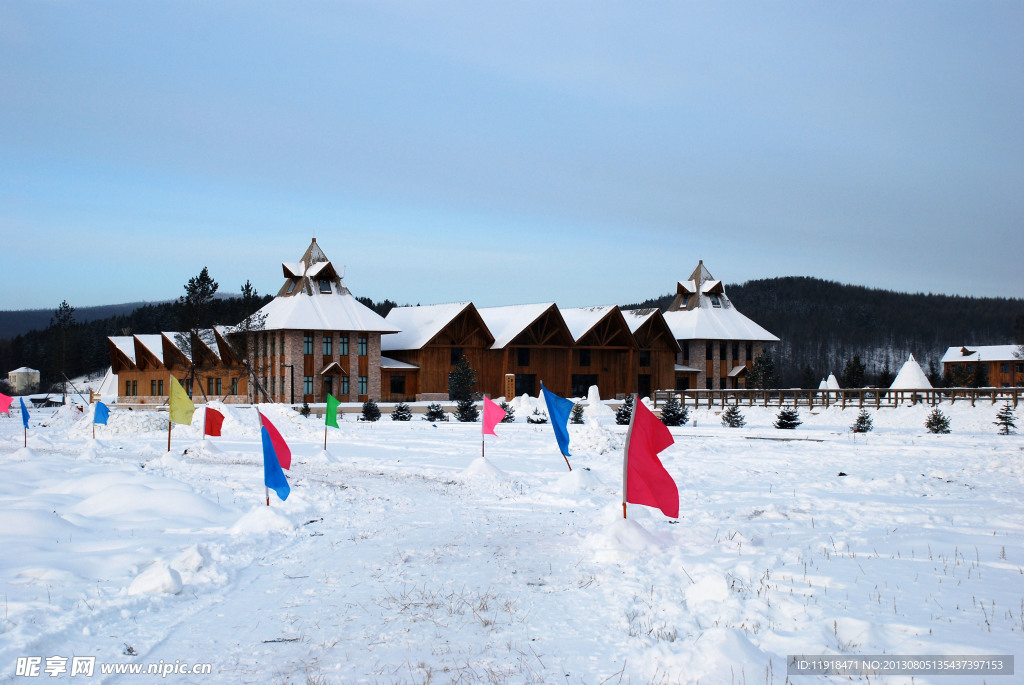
911 377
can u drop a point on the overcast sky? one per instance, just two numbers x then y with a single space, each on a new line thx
509 152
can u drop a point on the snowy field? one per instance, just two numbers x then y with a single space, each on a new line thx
401 558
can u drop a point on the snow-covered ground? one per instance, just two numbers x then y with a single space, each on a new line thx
400 557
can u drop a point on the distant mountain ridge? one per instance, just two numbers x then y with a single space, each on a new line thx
822 324
19 321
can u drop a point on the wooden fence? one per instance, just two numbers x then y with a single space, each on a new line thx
863 397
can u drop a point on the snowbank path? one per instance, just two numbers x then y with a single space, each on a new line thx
401 558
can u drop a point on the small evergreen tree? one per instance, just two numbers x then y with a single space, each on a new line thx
788 418
762 374
402 412
537 417
863 424
435 413
733 417
371 412
305 411
576 415
466 411
673 413
853 373
980 377
461 381
510 413
625 412
1006 420
937 422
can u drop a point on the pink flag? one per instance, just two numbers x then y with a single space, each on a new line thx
284 455
493 414
645 479
213 423
5 403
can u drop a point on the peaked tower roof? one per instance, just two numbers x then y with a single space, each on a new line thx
314 298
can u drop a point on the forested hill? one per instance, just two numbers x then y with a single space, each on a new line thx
822 324
17 322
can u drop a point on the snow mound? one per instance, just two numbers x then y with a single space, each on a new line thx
593 438
191 558
596 410
719 655
157 579
262 520
24 454
481 468
623 538
707 589
576 481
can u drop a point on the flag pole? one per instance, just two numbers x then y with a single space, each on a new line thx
266 488
625 454
169 422
566 461
325 437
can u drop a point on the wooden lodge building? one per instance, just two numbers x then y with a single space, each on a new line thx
1002 367
317 339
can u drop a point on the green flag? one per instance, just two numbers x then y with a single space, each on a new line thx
332 411
181 405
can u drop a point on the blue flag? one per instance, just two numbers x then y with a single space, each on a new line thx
24 413
558 410
273 476
100 414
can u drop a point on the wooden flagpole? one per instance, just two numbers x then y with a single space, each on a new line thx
566 461
325 436
625 454
169 422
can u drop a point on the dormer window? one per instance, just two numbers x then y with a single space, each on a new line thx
716 301
325 285
291 286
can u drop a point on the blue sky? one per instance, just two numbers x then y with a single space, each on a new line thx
577 152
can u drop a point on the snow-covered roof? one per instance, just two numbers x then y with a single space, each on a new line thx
389 363
724 323
125 344
24 369
687 369
911 376
322 312
581 319
417 326
505 323
153 342
635 318
981 353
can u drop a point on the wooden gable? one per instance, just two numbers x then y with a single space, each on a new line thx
611 332
466 330
547 330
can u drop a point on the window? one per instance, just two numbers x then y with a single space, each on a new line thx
291 286
328 386
362 348
716 301
127 388
398 385
362 385
159 387
522 358
325 286
307 344
584 359
343 345
721 351
581 383
1004 367
1020 368
455 355
273 385
209 386
686 353
735 351
645 359
218 385
273 345
328 346
750 351
234 386
709 352
307 385
152 387
684 301
135 388
526 384
343 389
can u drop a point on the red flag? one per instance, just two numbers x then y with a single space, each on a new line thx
5 403
284 455
646 480
493 414
214 420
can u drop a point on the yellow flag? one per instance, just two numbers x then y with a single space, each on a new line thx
182 407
